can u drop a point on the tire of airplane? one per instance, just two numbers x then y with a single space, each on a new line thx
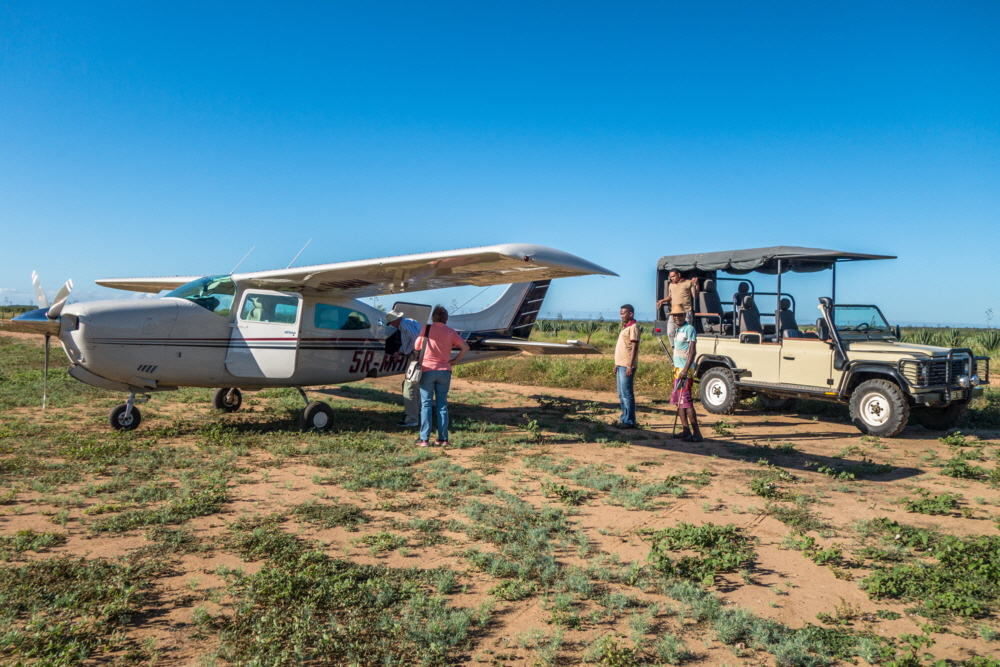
317 416
221 401
118 421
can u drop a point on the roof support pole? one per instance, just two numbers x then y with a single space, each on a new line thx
777 308
833 290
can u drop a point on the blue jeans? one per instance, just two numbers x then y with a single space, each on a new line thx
434 391
626 395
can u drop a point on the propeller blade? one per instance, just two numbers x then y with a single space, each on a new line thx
60 300
43 301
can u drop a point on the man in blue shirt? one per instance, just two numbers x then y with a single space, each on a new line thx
685 350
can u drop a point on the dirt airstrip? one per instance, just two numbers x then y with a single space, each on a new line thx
554 426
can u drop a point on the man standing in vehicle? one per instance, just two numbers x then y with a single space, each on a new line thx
409 330
684 344
626 361
681 294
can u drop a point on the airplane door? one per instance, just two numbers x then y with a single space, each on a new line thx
265 337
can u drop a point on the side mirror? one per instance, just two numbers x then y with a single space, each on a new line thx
898 337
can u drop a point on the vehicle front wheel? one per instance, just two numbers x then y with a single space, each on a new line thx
941 419
227 399
879 407
317 416
776 403
120 423
718 392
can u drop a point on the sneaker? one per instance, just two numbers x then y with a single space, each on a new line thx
402 423
441 443
423 443
683 435
692 438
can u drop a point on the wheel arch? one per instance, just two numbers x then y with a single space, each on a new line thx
862 372
709 361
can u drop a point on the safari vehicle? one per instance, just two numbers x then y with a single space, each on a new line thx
852 355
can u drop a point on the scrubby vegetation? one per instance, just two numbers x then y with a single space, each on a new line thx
268 545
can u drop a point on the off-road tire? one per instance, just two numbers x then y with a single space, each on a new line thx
941 419
220 400
317 416
879 407
777 403
717 391
118 422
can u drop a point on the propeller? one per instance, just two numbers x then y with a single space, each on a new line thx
52 314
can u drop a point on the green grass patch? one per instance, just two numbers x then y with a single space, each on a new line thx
719 548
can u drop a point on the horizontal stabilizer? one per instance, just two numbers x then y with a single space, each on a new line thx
539 347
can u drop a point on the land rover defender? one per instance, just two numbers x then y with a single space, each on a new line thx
851 355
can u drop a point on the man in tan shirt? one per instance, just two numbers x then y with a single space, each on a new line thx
682 294
626 361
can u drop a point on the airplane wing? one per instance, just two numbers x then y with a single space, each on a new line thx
152 285
488 265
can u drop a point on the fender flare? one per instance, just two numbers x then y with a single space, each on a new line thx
706 361
856 367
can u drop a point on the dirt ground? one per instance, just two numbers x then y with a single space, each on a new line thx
785 585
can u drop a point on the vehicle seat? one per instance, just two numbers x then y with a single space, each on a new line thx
749 316
255 312
789 327
708 302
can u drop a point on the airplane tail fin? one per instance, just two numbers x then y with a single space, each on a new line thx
512 315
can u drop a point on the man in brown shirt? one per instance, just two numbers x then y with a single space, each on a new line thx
626 361
682 294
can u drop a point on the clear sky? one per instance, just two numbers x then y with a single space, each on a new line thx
168 138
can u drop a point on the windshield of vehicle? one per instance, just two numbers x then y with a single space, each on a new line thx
860 319
214 293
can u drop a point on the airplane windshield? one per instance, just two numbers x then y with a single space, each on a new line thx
214 293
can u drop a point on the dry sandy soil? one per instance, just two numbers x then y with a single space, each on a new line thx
784 584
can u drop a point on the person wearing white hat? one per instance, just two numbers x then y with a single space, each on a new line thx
409 330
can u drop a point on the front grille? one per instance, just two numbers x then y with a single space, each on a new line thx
935 373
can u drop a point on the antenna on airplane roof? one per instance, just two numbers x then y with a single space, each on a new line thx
298 253
241 261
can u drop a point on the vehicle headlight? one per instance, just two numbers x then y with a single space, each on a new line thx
963 381
974 381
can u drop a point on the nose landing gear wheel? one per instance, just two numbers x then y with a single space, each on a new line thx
317 416
227 399
120 422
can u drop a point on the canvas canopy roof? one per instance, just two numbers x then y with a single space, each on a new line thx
763 260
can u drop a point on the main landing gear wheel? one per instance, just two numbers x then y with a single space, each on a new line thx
718 392
317 416
227 399
776 403
941 419
878 407
120 422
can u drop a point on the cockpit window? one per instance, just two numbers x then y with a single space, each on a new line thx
214 293
335 317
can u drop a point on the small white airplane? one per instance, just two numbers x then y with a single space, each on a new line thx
294 327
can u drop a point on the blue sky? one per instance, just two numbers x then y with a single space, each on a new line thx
152 139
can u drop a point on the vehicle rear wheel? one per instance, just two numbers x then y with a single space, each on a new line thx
317 416
120 423
776 403
227 399
941 419
718 392
879 407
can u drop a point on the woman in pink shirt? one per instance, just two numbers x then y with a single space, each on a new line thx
435 377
